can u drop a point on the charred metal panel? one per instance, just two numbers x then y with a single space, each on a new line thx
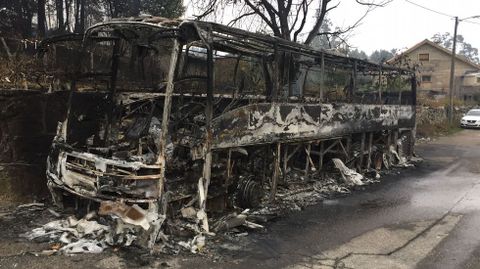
267 123
407 117
97 178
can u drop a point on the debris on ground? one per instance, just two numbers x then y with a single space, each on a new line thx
77 236
117 224
230 221
32 206
422 140
349 176
195 245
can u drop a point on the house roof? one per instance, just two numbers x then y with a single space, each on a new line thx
435 45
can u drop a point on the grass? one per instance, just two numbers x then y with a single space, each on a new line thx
424 100
438 129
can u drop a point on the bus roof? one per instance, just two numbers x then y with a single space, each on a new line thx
239 41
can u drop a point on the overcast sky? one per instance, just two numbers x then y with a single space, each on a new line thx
401 24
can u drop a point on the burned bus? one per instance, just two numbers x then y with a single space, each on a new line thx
166 114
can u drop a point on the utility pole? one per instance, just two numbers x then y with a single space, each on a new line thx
452 74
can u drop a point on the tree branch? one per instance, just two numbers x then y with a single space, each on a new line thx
283 13
296 17
234 21
321 16
273 13
269 7
381 4
302 24
371 6
210 9
259 13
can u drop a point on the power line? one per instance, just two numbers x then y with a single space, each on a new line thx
471 22
439 12
429 9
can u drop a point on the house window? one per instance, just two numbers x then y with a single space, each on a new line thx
424 57
426 78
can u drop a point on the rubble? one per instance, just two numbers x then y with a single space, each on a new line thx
31 205
83 246
116 224
119 224
195 245
231 221
348 175
422 140
134 215
78 236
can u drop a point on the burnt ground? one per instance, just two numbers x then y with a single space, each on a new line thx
424 217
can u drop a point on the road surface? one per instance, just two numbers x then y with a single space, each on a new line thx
426 217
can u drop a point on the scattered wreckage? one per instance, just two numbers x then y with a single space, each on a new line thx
171 118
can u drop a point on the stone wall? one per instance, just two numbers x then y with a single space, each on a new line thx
437 115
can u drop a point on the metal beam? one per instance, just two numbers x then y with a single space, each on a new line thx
167 105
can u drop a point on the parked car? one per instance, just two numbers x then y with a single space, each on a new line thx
471 119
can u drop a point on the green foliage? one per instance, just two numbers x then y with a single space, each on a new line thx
397 83
359 54
381 56
127 8
163 8
17 17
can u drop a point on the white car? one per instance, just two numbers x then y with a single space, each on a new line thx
471 119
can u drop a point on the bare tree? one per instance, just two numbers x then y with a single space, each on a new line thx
464 48
286 19
60 18
41 18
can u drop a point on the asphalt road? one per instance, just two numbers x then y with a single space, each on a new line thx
427 217
424 217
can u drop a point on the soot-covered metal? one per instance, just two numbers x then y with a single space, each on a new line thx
191 119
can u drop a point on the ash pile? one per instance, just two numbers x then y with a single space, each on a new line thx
110 224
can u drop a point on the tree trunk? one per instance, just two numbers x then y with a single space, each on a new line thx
82 16
27 16
41 19
28 24
67 14
77 18
319 20
18 19
135 8
59 11
114 8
